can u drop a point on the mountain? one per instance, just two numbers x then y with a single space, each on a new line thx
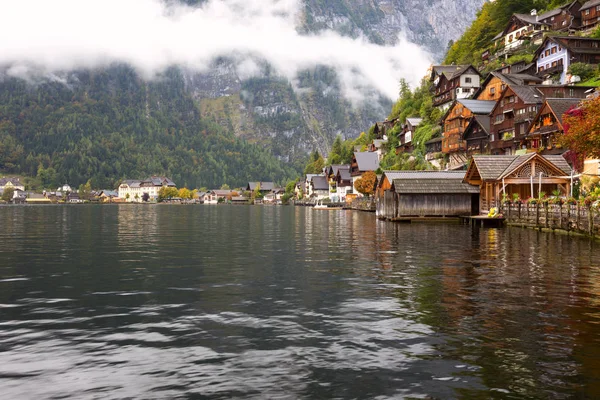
213 127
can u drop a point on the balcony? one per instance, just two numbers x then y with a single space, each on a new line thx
544 130
557 69
501 144
524 117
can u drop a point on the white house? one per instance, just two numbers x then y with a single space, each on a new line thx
14 183
557 53
134 190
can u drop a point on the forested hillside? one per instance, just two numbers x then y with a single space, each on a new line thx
110 124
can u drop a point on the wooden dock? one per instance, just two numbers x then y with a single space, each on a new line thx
483 221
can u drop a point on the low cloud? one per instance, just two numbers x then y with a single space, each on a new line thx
62 35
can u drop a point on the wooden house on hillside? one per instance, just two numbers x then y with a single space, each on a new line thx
405 144
495 83
557 53
343 183
525 175
382 129
418 194
521 29
511 116
477 135
455 121
566 18
453 82
590 15
547 127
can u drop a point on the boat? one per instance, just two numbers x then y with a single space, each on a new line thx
321 206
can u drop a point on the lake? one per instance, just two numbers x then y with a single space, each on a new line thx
155 302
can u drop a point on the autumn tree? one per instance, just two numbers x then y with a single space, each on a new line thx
366 183
582 129
8 193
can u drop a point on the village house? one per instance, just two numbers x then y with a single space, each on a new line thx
525 175
420 194
73 198
590 15
108 196
381 129
433 150
556 54
547 127
332 172
510 118
307 184
455 121
521 29
363 162
265 187
216 196
133 190
477 135
453 82
274 196
66 188
10 183
37 198
566 18
343 183
405 144
495 83
319 187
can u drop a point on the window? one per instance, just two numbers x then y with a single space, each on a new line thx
503 86
595 44
554 63
587 12
597 8
547 53
552 19
571 93
499 118
492 90
553 51
542 55
522 129
547 66
564 23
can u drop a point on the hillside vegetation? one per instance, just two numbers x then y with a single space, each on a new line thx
110 124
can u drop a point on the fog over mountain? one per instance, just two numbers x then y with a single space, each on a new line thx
288 74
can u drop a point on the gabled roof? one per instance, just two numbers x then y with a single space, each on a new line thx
414 121
309 177
482 120
344 175
590 4
566 42
528 94
433 186
392 175
483 107
263 186
367 161
558 107
320 183
450 71
561 106
221 192
492 168
13 181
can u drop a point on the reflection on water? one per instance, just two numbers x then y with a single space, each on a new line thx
172 301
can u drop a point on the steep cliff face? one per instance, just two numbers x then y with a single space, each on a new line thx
293 121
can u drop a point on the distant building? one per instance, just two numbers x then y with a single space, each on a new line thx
14 183
453 82
590 15
557 53
133 190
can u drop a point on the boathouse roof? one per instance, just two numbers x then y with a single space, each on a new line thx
496 167
433 186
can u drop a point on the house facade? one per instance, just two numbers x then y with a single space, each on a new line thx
525 175
455 122
520 30
361 163
406 136
453 82
557 53
477 135
590 15
547 127
11 183
510 118
133 190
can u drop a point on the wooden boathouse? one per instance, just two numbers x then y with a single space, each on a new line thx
526 175
426 194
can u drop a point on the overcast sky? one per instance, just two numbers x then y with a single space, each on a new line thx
60 35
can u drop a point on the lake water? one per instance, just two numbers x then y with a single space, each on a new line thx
160 302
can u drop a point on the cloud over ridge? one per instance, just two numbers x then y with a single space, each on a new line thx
62 35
